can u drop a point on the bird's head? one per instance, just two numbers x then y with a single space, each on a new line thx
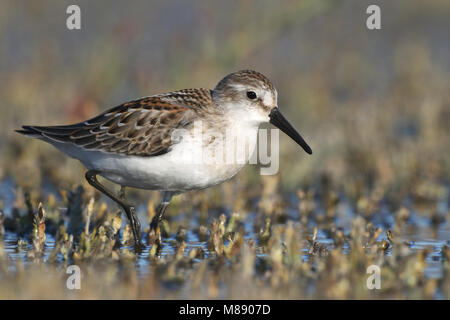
249 95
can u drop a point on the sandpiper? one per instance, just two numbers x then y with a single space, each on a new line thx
147 143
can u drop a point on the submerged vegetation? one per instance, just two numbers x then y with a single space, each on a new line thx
373 105
259 251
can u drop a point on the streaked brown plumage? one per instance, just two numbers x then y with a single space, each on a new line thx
141 127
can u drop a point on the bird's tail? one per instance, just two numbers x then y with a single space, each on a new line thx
50 133
29 131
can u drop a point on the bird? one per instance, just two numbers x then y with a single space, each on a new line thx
158 142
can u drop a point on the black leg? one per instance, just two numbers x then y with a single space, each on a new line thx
167 196
158 217
91 177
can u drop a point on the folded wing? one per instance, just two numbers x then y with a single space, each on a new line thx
141 127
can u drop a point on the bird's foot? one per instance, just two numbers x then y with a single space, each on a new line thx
154 235
139 246
136 227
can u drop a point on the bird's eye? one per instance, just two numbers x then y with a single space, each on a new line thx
251 95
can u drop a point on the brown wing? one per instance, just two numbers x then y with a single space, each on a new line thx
142 127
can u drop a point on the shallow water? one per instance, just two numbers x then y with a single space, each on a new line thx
419 234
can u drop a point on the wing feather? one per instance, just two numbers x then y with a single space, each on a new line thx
141 127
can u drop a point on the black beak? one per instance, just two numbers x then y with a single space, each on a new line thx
279 121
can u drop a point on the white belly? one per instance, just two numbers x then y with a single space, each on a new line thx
161 172
189 165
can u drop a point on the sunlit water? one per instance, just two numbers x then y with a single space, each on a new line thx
419 235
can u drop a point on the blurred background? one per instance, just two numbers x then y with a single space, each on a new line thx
374 105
